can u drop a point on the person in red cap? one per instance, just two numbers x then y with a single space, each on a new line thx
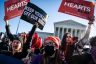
34 55
37 56
51 46
36 43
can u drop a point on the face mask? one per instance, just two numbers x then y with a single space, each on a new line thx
49 50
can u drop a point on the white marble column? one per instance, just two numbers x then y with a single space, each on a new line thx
55 31
78 32
62 32
72 32
66 30
83 32
79 36
75 32
58 31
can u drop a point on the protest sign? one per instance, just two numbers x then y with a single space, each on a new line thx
33 14
83 9
14 8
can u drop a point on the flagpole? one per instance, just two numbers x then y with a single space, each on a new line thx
18 27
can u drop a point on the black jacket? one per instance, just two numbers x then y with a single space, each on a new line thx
26 46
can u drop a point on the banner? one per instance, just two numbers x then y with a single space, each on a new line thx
33 14
14 8
79 8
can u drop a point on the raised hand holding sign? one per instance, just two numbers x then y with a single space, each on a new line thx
33 14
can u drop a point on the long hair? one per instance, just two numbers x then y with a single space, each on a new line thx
63 42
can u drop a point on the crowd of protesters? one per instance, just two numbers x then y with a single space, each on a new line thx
30 49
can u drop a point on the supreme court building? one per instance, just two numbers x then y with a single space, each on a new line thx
73 27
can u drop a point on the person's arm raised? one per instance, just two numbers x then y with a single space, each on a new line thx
27 44
8 30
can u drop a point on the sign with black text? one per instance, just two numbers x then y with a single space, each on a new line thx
33 14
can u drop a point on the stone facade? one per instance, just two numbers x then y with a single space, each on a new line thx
73 27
